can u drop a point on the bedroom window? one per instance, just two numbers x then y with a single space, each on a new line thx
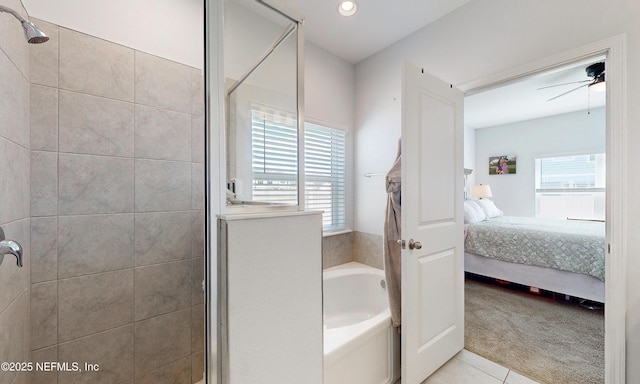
571 186
274 154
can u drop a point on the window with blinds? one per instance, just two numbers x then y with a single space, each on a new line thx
324 151
274 156
571 186
274 165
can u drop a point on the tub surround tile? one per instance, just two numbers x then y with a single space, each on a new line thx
44 183
95 66
44 249
93 244
94 184
16 159
44 57
162 288
44 118
94 303
178 372
95 125
337 249
161 340
44 314
112 350
162 237
162 83
368 249
162 186
162 134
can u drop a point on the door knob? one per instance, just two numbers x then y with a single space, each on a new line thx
414 244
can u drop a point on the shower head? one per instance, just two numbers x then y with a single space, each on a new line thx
31 32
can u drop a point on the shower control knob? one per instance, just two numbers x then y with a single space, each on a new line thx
414 244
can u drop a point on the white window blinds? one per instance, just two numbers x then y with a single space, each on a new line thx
324 150
274 165
274 155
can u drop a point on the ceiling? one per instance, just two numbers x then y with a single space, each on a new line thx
375 26
522 100
379 24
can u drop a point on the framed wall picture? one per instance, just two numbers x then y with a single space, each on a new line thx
502 165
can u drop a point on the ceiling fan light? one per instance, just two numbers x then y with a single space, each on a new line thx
598 86
347 7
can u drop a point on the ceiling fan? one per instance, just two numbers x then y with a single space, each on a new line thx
595 71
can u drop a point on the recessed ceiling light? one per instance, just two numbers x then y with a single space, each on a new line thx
347 7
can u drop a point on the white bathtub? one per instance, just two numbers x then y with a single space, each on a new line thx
360 345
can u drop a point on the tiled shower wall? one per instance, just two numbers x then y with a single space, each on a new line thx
117 206
14 192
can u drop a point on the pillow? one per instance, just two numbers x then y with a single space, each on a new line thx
489 208
472 212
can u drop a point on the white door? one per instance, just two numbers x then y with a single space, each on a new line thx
432 195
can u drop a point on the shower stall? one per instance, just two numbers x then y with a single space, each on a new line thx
102 169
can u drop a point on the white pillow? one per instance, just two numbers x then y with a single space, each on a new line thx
489 208
472 212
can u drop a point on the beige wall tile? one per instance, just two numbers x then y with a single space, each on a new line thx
197 296
178 372
197 92
197 139
161 340
95 66
15 280
14 102
162 83
197 328
162 237
15 159
162 288
95 125
162 134
44 118
198 236
44 314
14 322
197 186
112 350
12 40
44 57
44 355
368 249
197 367
44 183
44 249
94 184
93 244
94 303
162 186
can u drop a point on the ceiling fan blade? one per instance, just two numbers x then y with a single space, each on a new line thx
574 89
558 85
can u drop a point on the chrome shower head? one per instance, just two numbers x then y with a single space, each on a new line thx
31 32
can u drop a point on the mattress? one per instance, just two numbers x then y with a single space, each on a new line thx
567 245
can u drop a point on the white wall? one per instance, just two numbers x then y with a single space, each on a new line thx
483 38
567 134
172 29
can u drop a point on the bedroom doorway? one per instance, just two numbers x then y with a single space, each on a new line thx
611 113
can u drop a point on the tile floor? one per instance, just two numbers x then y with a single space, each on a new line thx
467 367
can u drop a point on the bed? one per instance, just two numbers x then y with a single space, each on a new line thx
563 256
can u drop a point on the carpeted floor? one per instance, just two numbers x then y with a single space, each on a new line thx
552 342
